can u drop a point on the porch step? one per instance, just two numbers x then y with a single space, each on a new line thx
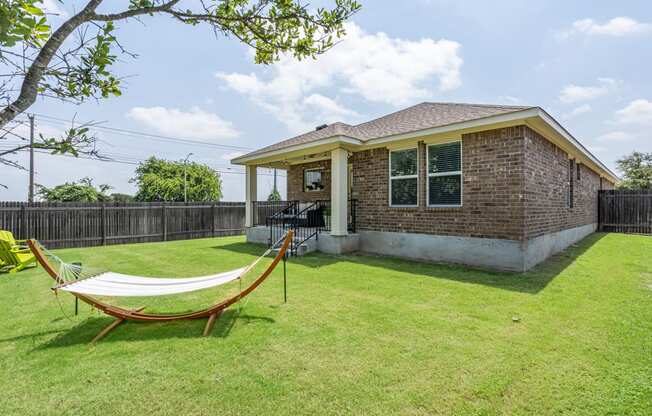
304 248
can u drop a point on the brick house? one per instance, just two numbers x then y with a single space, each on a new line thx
494 186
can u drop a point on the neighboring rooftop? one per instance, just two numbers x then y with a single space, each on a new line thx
418 117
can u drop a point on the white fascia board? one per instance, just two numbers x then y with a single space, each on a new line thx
242 160
566 135
534 112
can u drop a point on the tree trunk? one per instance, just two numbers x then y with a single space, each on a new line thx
29 88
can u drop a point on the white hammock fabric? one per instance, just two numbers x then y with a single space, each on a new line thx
122 285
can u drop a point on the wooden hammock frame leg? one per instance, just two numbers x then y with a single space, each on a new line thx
210 323
111 327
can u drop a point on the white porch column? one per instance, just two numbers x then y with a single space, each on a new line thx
251 194
339 192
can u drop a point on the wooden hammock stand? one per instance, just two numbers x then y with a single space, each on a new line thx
122 314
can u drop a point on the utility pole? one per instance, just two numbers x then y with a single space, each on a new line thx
274 181
185 178
30 195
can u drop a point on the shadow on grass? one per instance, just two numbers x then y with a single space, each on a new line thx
531 282
252 249
85 331
256 250
30 336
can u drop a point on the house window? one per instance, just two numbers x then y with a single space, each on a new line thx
445 174
313 180
403 178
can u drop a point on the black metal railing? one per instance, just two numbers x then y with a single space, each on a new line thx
352 214
265 209
307 220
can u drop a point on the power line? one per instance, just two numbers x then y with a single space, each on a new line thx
150 136
131 162
112 155
123 159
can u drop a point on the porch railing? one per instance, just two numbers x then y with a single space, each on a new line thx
307 220
352 213
265 209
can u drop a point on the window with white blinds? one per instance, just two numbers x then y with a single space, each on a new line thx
445 175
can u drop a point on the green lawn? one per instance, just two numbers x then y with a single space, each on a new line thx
359 335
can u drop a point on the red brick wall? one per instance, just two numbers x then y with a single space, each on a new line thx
491 201
514 187
546 188
295 182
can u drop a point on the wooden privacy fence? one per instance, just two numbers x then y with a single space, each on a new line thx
625 211
60 225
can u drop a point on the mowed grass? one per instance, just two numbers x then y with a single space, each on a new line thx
359 335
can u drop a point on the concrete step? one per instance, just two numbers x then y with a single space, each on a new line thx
304 248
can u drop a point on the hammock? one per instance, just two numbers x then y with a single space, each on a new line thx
69 278
119 285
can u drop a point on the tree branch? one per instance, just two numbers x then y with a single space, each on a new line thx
134 12
29 88
15 149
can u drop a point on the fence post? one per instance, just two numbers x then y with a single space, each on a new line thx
165 223
213 209
103 216
23 222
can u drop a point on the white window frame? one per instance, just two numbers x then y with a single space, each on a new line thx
450 173
402 177
304 179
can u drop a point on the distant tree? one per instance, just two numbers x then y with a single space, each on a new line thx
80 191
636 170
123 198
275 195
75 62
163 180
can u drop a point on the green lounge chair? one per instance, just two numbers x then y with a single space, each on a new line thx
15 258
9 237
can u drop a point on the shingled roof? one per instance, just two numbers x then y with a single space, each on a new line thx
418 117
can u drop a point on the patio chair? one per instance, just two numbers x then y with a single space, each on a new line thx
15 258
315 217
9 237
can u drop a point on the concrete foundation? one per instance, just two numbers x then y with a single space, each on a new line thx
258 235
482 252
338 244
508 255
540 248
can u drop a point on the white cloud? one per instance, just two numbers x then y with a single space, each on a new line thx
53 7
637 112
19 131
375 67
230 156
614 136
577 111
597 149
509 99
195 124
618 26
575 93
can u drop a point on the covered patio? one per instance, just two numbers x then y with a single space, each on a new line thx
319 204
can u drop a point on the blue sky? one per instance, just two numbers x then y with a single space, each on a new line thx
585 62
